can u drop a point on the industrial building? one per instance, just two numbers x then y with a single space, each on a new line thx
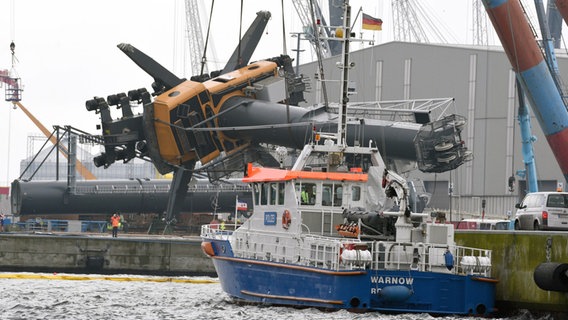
482 84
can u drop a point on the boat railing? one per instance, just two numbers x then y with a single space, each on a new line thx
326 252
214 231
473 261
431 258
313 250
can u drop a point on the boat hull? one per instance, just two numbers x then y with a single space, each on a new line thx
265 282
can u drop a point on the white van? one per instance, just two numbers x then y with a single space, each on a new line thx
542 211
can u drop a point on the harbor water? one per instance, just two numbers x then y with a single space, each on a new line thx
63 296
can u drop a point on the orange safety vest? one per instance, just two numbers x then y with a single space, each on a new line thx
115 221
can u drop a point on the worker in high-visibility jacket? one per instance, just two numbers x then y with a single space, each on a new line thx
115 222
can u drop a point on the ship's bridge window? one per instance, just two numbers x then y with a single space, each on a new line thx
256 193
332 195
337 195
273 193
355 193
281 193
264 193
307 193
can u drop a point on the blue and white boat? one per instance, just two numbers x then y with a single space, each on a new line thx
306 253
335 231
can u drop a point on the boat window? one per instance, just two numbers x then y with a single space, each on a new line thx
273 193
355 193
281 193
326 195
256 193
264 194
338 195
308 194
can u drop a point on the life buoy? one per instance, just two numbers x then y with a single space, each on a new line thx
286 219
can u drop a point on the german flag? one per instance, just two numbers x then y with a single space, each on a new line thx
370 23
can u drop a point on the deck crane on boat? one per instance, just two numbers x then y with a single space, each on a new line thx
218 125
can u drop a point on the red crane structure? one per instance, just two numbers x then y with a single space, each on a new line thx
13 91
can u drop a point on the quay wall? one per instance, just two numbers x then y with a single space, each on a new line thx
103 254
515 256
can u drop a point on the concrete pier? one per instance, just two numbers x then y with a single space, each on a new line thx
515 256
81 253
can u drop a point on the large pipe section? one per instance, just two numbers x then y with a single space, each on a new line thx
266 122
126 196
528 62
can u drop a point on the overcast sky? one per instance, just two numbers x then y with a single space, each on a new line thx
67 52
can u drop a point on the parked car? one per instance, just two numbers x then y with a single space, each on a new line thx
542 211
483 224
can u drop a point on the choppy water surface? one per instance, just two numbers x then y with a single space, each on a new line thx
25 298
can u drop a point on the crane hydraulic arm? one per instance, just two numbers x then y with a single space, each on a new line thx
533 71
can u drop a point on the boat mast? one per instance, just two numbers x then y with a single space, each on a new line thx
345 65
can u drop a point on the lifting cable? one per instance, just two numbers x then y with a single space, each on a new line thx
284 49
240 59
12 71
516 66
204 58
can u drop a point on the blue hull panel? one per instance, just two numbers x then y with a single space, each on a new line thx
365 290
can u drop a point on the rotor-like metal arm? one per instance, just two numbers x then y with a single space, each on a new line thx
242 54
164 79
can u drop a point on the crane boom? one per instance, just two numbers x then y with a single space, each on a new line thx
537 81
194 36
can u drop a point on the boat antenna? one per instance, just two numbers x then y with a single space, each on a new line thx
318 54
345 66
240 58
